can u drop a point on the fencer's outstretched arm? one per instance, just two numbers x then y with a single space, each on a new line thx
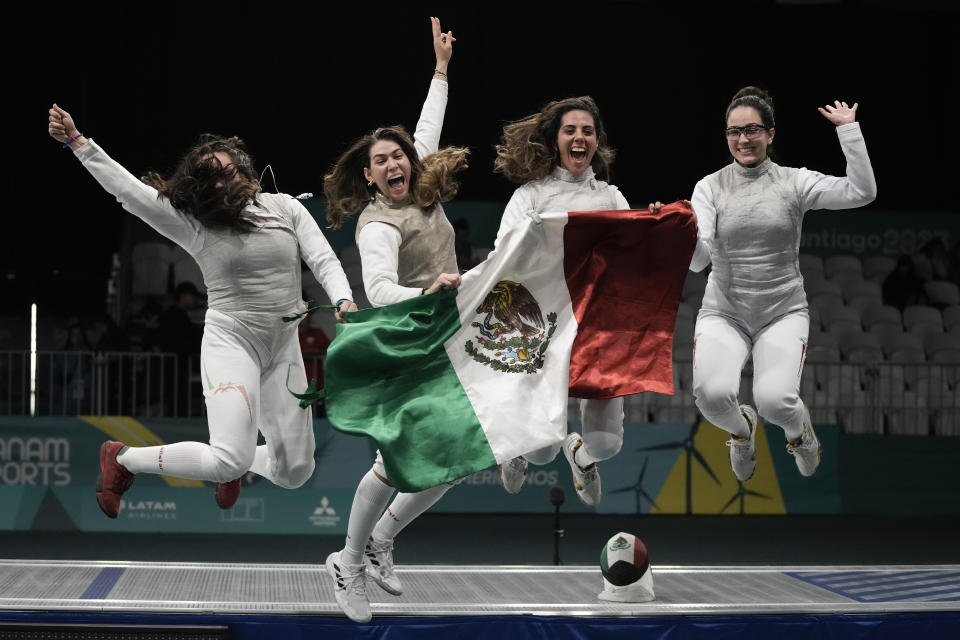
426 137
858 187
133 194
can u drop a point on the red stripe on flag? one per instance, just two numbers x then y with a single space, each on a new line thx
625 272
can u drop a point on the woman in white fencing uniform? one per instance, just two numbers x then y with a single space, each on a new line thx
749 216
560 158
406 247
249 246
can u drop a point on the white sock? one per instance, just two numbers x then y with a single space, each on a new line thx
371 498
406 508
261 462
190 460
597 446
794 430
733 422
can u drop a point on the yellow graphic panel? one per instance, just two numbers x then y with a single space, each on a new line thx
759 495
130 432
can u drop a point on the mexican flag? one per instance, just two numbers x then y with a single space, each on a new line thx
579 304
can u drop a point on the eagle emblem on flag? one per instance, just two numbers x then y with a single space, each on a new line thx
512 333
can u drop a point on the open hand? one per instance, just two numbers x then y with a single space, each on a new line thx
839 113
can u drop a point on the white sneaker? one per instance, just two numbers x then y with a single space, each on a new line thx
743 451
586 480
513 474
806 450
349 588
378 558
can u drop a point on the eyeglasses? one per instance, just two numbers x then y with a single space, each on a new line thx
750 130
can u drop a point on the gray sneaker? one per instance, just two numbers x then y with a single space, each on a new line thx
349 588
743 451
586 480
378 558
806 450
513 473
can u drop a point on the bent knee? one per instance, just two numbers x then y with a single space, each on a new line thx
296 476
544 455
602 445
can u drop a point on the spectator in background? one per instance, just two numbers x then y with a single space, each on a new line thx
110 336
72 373
932 261
903 286
147 323
178 334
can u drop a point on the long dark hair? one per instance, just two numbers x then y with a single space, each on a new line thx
431 178
192 187
528 150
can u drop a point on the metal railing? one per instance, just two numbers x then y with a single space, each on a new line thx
143 384
920 398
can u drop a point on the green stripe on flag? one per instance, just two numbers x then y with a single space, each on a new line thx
388 376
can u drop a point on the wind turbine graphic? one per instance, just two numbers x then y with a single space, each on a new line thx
637 488
741 493
687 445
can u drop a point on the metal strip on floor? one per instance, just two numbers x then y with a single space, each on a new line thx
441 590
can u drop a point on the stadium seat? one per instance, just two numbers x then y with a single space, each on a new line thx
881 315
941 347
833 265
922 314
862 289
823 301
832 314
892 343
811 266
861 347
846 279
951 318
877 268
814 288
942 293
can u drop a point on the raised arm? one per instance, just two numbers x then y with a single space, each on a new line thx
858 187
426 137
135 196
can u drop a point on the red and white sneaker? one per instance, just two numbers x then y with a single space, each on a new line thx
227 493
113 479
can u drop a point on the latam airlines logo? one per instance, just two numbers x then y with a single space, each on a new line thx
324 515
148 509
